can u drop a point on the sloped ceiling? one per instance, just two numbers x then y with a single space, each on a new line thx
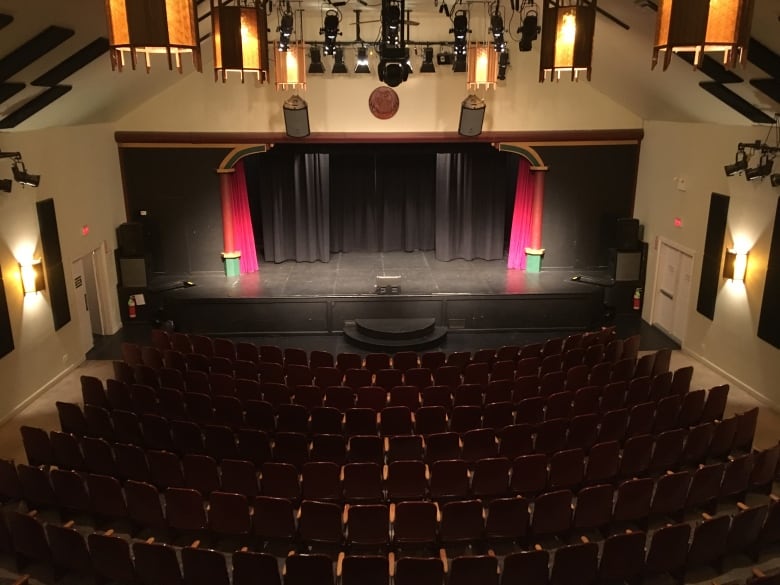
57 72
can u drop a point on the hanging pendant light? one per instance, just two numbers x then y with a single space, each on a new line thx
703 26
291 67
240 33
568 27
152 26
481 66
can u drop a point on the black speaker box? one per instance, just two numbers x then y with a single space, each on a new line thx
296 122
132 272
471 121
627 234
130 239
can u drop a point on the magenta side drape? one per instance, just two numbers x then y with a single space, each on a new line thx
520 237
243 234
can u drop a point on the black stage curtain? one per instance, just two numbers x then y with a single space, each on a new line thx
294 197
470 206
382 202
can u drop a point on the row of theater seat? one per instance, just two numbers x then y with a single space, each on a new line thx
407 526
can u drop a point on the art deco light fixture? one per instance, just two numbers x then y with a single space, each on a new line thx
240 33
152 26
735 264
291 67
32 277
482 66
568 27
703 26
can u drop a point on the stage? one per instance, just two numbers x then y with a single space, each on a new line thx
317 297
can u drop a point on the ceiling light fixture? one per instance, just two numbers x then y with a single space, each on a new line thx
703 26
291 67
764 168
152 26
394 67
427 65
338 62
568 27
459 30
240 34
20 173
285 29
482 68
529 29
361 66
315 61
765 151
739 165
497 30
330 29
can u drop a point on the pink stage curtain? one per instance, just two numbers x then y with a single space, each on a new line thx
520 237
244 236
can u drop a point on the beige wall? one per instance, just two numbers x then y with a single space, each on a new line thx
697 154
79 168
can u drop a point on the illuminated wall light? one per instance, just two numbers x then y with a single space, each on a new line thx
721 26
240 36
152 26
482 66
735 265
567 38
32 277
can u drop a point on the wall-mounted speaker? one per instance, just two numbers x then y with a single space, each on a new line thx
627 234
130 239
296 117
472 114
132 272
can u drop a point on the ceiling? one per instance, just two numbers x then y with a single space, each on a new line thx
55 69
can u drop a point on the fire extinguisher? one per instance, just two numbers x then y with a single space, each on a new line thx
131 307
637 299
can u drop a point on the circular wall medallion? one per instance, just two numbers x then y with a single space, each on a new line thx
383 102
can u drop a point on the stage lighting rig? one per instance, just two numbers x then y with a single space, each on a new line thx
459 30
394 65
20 173
766 153
503 63
285 28
330 30
529 29
497 30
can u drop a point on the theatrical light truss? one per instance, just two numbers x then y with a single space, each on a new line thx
394 67
459 30
286 27
497 30
529 29
20 173
766 154
330 30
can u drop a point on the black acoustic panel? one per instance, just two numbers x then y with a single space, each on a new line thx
35 105
6 334
76 61
737 103
10 89
713 250
5 20
130 239
50 237
764 58
52 261
711 68
770 87
769 319
32 50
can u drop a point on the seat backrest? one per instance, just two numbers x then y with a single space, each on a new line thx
419 571
362 569
528 567
507 518
308 569
552 513
156 563
575 564
251 567
466 570
622 557
143 505
668 548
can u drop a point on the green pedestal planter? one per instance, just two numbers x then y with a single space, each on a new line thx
232 263
533 259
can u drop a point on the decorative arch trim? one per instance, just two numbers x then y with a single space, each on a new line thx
524 150
240 152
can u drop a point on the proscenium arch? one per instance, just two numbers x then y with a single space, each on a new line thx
524 150
239 152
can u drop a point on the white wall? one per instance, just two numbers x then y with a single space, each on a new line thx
79 168
697 154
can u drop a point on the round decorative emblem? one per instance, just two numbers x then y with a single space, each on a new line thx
383 102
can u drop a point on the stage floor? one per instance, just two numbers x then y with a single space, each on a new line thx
354 274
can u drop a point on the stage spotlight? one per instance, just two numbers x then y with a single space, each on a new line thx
503 63
22 177
285 29
316 65
497 30
775 179
762 170
529 30
362 61
391 23
330 28
459 30
338 62
740 164
393 73
6 185
427 64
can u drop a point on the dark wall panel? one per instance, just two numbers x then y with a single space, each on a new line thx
769 320
586 190
713 252
6 334
179 190
52 261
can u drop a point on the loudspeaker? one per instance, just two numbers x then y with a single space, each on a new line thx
130 239
472 113
626 266
627 234
132 272
296 117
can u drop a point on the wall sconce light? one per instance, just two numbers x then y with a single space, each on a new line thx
567 38
482 66
735 265
703 26
240 39
32 277
152 26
